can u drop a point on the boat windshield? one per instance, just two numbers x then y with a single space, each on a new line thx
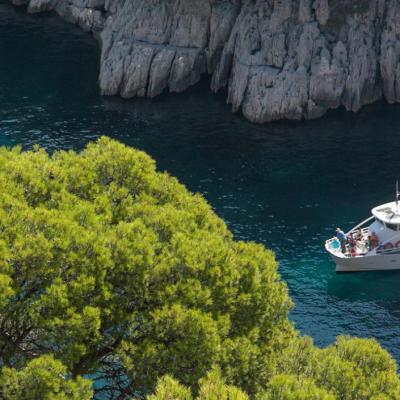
393 227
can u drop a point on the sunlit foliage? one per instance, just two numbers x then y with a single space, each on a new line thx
43 378
112 271
123 275
352 369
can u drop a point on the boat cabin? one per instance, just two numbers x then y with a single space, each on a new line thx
388 215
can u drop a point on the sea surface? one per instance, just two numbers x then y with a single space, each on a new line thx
286 185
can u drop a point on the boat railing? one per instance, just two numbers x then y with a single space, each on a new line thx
382 251
352 230
364 231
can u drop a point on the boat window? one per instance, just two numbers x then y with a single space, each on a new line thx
393 227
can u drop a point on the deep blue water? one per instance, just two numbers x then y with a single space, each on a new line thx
286 185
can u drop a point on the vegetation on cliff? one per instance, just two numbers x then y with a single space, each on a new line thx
113 272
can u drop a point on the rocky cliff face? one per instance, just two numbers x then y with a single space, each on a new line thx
278 59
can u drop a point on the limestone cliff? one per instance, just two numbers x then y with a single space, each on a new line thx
277 58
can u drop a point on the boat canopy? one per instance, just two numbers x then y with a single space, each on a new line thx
388 213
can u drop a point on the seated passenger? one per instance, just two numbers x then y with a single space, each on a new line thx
359 234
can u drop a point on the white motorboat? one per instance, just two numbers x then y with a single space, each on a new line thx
360 253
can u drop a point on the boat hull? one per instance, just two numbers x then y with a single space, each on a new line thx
389 262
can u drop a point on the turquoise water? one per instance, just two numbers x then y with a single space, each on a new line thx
287 185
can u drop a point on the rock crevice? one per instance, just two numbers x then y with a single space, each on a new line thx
278 59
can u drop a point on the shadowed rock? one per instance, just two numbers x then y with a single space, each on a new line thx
278 59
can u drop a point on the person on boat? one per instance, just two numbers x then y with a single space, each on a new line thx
342 239
374 240
352 239
353 251
352 242
359 234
